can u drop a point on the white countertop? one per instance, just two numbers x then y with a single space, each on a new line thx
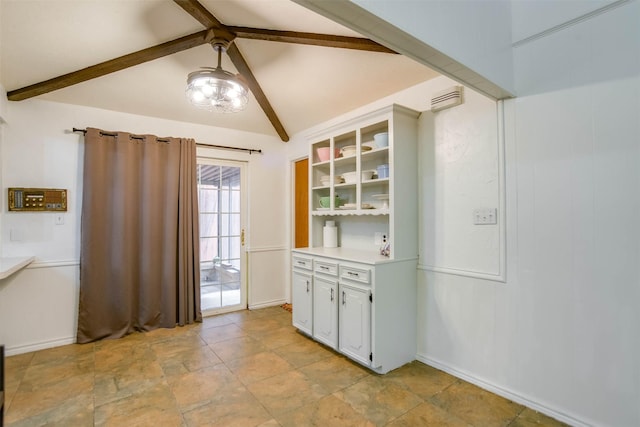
10 265
346 254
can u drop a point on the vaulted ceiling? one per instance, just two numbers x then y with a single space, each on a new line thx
304 84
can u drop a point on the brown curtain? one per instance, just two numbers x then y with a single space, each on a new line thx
139 259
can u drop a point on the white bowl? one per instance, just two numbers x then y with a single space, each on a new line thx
350 150
326 180
381 139
351 177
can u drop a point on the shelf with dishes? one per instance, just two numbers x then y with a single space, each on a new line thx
342 211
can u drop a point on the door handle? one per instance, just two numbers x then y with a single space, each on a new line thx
242 237
307 286
344 298
331 294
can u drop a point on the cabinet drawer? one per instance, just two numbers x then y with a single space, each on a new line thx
302 263
325 267
361 275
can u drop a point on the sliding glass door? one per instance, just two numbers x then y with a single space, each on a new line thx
222 204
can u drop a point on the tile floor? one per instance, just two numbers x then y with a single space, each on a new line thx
248 368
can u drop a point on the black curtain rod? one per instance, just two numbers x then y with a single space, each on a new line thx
224 147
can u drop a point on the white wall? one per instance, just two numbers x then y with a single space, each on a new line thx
38 306
560 334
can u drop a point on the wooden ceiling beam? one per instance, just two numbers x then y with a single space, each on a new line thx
327 40
111 66
244 70
200 13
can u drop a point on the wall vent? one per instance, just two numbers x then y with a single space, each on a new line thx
447 98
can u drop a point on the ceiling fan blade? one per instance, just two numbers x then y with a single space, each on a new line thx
244 70
113 65
198 11
326 40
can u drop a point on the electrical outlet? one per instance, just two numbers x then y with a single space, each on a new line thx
377 238
485 216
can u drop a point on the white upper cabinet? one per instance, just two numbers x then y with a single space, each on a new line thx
363 176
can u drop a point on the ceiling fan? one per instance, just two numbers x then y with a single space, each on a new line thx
215 33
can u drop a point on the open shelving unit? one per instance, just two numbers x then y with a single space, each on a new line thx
367 211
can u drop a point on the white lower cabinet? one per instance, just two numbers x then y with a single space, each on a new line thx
302 299
355 322
325 310
363 307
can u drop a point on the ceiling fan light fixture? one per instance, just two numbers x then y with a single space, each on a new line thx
215 89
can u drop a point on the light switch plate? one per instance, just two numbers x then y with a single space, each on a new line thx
485 216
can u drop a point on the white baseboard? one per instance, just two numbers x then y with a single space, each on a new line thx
27 348
500 391
267 304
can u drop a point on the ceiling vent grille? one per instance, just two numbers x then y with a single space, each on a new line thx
447 98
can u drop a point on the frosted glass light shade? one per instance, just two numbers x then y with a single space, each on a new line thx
215 89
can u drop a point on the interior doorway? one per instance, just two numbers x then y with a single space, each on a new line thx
301 203
222 205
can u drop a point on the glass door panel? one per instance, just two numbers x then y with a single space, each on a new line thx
221 204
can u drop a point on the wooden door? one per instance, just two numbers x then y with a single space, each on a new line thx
301 206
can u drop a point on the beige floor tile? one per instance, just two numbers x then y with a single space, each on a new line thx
162 334
61 353
335 373
57 400
235 407
14 369
260 326
77 411
421 379
285 392
427 414
190 360
476 406
237 348
127 340
152 407
18 361
328 411
55 370
378 400
248 368
126 380
201 387
165 349
213 321
111 357
285 335
221 333
304 353
271 423
530 418
259 366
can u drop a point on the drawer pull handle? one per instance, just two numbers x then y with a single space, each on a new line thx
324 267
352 274
302 263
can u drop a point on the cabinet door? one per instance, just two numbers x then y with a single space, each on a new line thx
302 302
325 311
355 322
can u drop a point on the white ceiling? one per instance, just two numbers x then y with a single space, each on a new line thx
306 85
